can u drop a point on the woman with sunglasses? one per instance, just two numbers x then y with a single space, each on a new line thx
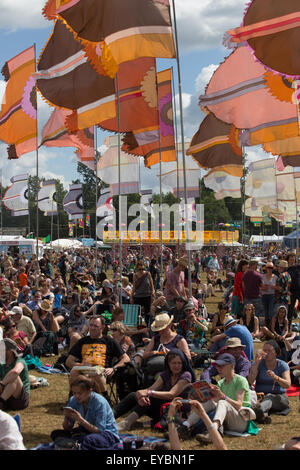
250 320
11 331
118 331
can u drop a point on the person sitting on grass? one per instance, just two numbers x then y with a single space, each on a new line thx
232 394
96 426
271 377
176 375
96 350
14 379
192 328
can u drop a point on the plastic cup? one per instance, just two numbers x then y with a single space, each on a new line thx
139 443
127 444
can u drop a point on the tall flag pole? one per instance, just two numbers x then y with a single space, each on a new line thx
96 200
176 145
37 180
183 147
119 184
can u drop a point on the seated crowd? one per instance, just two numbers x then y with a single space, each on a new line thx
120 371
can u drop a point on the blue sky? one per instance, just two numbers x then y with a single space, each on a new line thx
201 25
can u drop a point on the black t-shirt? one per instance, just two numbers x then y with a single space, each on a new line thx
294 272
98 351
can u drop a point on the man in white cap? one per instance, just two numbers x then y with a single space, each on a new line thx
242 364
23 323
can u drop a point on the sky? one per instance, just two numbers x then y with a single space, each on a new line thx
201 25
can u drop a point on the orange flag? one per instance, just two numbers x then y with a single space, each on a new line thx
18 111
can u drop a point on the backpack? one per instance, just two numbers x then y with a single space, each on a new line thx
162 424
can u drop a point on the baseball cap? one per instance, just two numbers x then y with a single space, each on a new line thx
224 359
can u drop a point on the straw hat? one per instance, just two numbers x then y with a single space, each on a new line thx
283 264
45 305
234 343
183 261
230 321
161 322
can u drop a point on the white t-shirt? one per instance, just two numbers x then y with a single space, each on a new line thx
10 436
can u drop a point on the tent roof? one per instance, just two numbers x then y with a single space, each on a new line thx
293 234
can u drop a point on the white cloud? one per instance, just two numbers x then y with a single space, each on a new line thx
19 14
202 24
204 77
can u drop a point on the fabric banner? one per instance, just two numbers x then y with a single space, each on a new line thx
223 184
66 79
157 141
73 203
18 126
55 134
47 198
107 168
215 144
238 94
15 197
117 31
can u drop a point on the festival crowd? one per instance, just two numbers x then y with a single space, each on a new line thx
141 342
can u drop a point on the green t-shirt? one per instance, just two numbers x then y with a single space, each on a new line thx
231 389
24 375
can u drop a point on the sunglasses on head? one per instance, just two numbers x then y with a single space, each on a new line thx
113 329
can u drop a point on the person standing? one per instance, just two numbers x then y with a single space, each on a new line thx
252 284
174 286
294 272
268 293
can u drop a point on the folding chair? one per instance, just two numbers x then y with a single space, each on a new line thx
132 313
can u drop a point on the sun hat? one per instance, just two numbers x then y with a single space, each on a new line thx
161 321
16 311
283 264
234 343
230 321
224 360
183 261
12 346
45 305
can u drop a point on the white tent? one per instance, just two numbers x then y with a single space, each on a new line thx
266 239
64 243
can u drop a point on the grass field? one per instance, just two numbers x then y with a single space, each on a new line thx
45 414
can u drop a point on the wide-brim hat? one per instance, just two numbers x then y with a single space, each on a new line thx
229 322
234 343
45 305
283 264
161 322
183 261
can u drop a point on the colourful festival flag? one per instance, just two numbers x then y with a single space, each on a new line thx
55 134
117 31
157 141
215 144
66 79
88 220
18 125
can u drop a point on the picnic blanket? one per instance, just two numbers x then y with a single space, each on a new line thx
133 437
293 391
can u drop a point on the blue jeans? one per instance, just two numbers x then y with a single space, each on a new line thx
268 302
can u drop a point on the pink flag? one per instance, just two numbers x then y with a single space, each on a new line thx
55 134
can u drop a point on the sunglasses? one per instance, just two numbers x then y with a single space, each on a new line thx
113 329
